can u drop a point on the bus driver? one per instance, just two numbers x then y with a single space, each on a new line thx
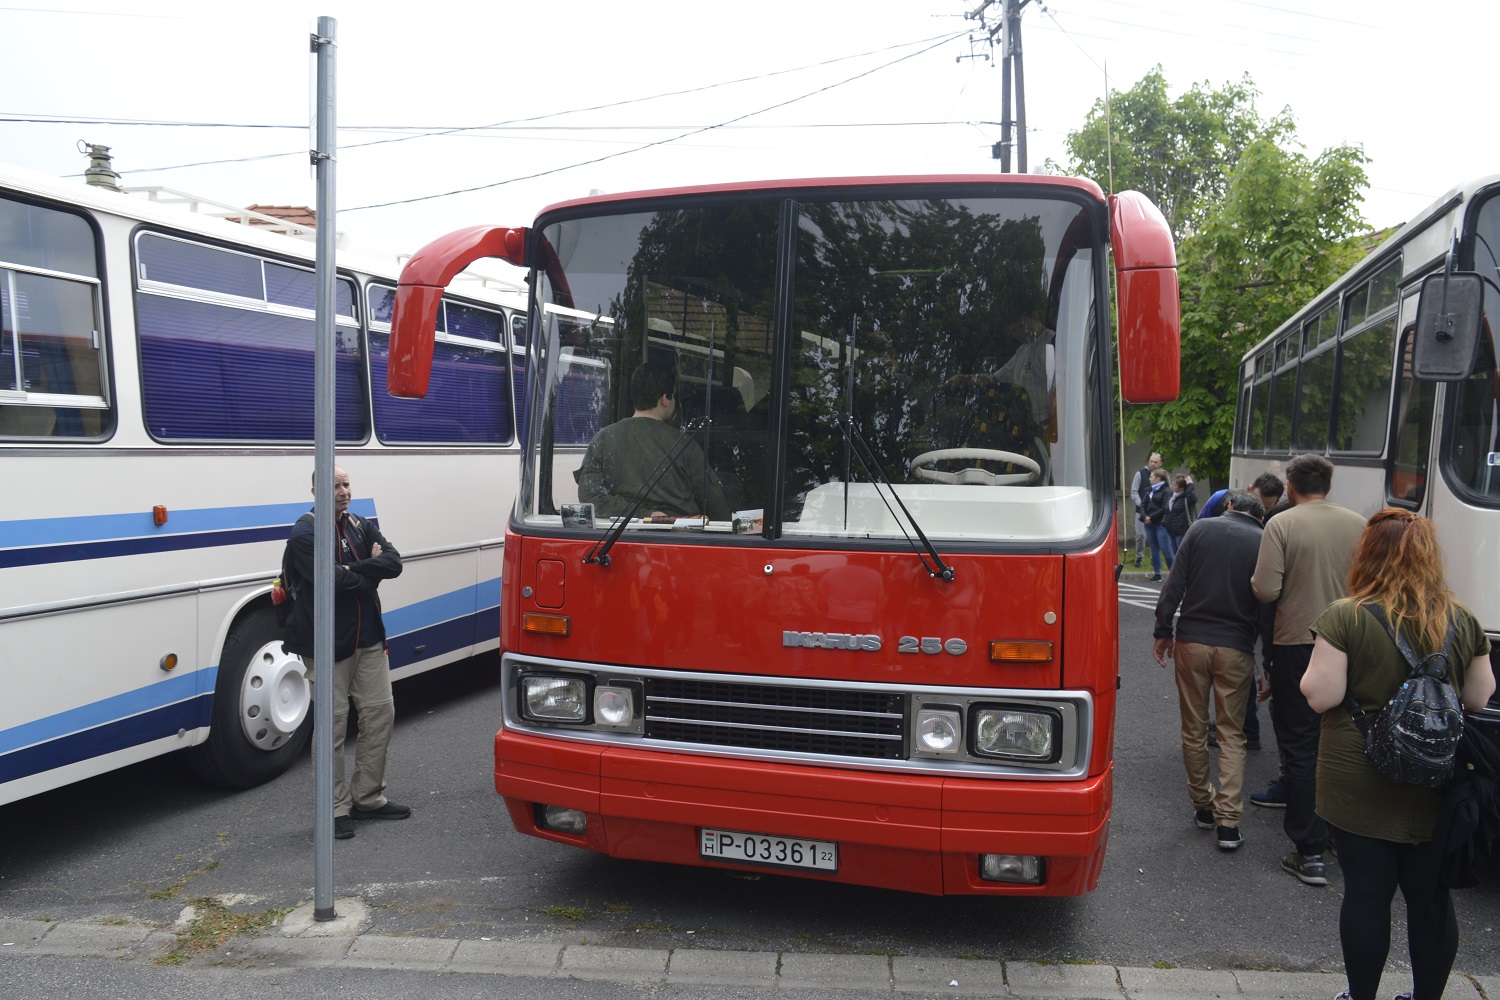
622 457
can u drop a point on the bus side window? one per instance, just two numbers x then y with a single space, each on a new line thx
1406 476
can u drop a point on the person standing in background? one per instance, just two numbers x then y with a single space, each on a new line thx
361 670
1384 829
1303 567
1140 486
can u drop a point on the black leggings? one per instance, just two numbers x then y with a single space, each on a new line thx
1372 870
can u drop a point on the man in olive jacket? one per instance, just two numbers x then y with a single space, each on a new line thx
361 669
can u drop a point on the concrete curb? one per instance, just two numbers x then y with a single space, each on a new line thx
341 943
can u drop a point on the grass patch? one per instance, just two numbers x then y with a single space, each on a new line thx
574 913
170 891
1159 964
214 924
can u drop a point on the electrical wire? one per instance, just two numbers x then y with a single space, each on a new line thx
428 132
660 142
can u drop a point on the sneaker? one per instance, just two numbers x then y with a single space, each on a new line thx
1403 996
1307 867
1229 837
343 828
1156 578
1203 819
1343 996
1274 797
1137 562
388 811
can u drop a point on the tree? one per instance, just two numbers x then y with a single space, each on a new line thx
1261 229
1179 153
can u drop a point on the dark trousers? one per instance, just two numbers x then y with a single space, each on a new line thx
1252 715
1372 870
1297 730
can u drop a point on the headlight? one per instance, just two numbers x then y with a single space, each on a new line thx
1025 734
554 699
938 732
613 707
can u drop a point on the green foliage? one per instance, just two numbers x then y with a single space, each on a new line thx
1176 152
1261 229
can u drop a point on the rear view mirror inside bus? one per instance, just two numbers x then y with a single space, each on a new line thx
1449 319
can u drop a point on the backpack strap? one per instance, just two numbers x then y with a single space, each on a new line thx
1356 713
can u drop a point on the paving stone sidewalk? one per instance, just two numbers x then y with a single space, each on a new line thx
300 941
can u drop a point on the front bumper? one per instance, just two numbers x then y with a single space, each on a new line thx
917 833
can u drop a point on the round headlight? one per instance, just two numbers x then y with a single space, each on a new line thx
937 732
613 706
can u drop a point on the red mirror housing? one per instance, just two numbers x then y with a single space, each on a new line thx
420 291
1148 303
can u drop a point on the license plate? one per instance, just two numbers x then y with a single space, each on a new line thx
763 849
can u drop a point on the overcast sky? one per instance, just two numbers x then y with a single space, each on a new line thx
483 94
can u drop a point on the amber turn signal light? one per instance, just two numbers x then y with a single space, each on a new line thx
542 624
1020 651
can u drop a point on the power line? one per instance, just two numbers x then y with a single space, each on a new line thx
661 142
430 132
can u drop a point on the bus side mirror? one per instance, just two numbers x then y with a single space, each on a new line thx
1450 317
419 293
1147 300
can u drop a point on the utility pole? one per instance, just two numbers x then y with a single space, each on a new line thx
1013 55
1012 69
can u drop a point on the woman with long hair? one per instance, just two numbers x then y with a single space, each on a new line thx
1382 829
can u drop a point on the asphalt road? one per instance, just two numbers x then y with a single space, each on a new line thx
142 842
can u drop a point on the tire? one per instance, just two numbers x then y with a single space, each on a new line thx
262 712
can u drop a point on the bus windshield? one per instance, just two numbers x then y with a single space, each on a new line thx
829 356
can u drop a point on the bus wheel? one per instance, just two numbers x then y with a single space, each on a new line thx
262 707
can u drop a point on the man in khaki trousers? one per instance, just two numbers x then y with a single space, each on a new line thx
1212 643
361 669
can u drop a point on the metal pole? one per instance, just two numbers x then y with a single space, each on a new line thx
324 45
1005 119
1018 66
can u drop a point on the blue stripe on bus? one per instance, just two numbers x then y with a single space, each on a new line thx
169 720
100 536
444 637
156 710
460 603
149 698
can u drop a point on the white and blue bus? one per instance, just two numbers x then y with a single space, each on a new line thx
1338 379
156 430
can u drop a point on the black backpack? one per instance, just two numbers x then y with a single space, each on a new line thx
1414 738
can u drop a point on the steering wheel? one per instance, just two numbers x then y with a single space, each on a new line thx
975 476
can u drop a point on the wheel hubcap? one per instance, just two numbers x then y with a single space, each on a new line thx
275 696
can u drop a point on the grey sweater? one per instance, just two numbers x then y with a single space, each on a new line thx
1210 579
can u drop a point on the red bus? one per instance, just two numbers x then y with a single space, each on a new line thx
880 644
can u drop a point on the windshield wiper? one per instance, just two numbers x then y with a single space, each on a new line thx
600 552
862 451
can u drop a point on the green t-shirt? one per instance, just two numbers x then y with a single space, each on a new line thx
1351 794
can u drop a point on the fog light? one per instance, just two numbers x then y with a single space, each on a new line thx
1027 868
554 699
614 707
938 731
562 820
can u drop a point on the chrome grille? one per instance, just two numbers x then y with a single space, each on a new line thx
828 721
